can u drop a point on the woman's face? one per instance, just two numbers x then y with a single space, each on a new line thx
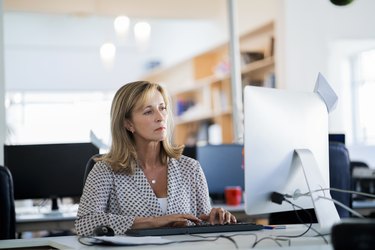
149 120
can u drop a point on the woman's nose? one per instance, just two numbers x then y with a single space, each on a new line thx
159 116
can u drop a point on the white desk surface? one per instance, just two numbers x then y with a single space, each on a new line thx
244 240
36 219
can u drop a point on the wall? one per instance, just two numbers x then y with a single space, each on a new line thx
60 52
311 29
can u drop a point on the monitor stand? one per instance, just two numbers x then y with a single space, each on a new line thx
325 210
55 205
54 208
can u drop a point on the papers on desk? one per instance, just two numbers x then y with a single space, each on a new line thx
129 240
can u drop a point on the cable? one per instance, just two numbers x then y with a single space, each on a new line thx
228 237
343 206
273 239
297 195
279 198
309 226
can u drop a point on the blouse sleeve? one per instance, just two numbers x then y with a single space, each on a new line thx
93 207
203 199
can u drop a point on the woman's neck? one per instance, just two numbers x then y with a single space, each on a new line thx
149 155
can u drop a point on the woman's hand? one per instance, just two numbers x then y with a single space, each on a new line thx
218 216
174 220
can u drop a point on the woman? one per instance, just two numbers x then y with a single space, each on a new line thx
144 181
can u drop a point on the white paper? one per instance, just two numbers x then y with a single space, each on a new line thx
130 240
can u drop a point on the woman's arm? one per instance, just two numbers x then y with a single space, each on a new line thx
211 215
93 208
92 211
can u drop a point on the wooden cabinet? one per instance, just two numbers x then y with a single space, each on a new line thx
201 86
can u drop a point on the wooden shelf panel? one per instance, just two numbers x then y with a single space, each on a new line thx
200 118
201 87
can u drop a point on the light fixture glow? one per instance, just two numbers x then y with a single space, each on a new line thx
142 31
108 53
121 25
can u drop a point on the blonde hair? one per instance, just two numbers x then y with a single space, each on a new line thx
122 155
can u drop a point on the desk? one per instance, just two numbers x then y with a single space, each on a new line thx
32 220
35 219
365 207
39 222
44 221
244 241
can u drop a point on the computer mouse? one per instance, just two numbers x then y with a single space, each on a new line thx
103 231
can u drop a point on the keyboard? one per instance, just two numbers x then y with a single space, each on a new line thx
195 229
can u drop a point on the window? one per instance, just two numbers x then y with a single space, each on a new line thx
57 117
363 97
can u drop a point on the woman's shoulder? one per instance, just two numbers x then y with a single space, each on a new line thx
186 162
102 167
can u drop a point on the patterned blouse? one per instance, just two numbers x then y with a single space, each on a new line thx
115 199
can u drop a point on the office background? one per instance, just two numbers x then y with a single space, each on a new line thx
312 36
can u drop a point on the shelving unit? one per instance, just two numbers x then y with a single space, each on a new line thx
201 86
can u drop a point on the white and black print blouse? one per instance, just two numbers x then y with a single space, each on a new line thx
115 199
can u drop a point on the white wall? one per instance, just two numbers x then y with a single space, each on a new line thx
311 32
59 52
311 27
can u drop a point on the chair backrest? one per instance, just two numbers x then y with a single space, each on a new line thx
90 164
7 209
340 175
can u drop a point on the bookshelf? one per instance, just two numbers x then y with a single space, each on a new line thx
201 86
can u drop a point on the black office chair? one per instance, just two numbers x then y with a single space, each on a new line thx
90 164
7 209
340 176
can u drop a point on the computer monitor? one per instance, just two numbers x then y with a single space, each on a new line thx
277 123
336 138
190 151
45 171
223 167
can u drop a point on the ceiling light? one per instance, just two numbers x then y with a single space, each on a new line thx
142 31
108 53
121 25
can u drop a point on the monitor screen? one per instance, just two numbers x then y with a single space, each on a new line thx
277 122
190 151
222 166
48 170
336 138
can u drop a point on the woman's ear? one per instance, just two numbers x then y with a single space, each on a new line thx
129 126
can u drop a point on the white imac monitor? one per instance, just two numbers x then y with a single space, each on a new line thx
277 123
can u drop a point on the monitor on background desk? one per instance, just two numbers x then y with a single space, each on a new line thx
48 171
336 138
223 167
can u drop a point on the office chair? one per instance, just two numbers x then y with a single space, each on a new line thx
339 177
90 164
7 209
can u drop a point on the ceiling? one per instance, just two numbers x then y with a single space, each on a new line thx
163 9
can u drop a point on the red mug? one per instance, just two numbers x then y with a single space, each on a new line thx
233 195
